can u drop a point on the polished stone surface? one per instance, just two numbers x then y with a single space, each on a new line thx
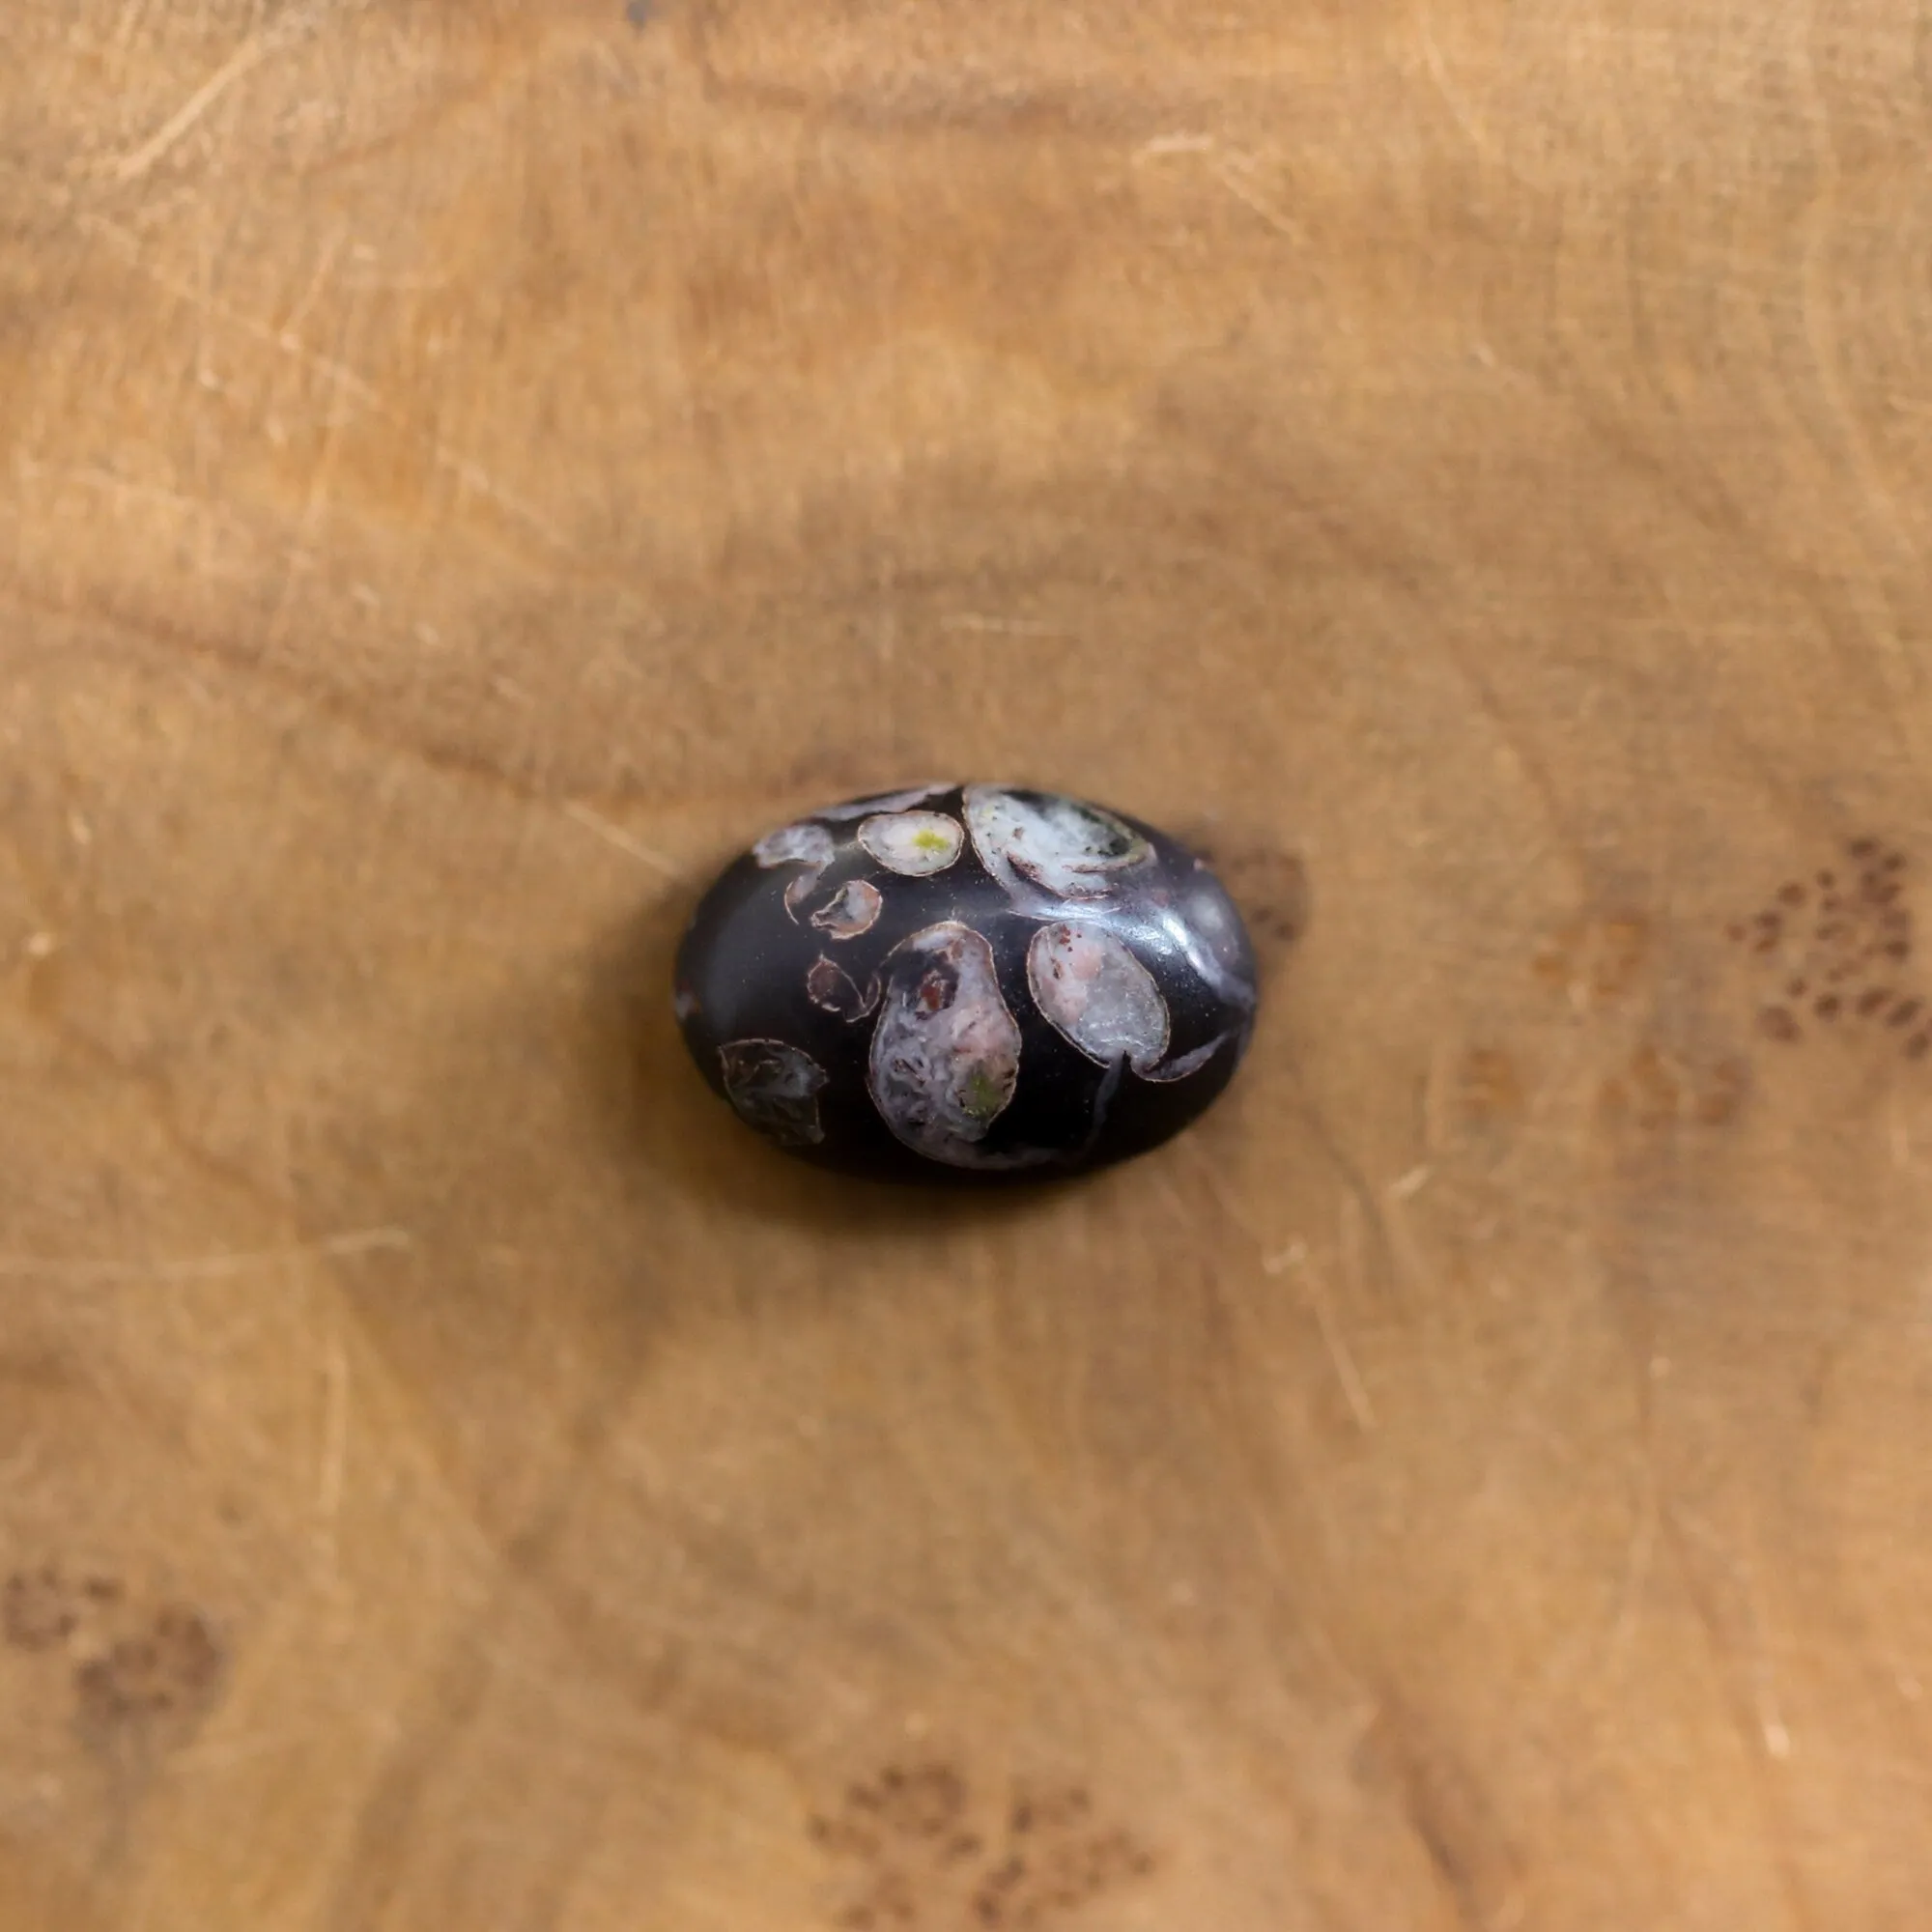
969 982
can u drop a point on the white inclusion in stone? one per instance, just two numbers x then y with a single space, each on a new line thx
802 844
851 910
1059 846
913 843
946 1052
829 985
805 845
775 1088
1098 995
1232 985
1185 1064
889 800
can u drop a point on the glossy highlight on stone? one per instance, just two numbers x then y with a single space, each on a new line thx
968 982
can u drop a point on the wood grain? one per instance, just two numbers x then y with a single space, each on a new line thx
469 468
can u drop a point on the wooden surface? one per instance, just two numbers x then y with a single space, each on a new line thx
468 468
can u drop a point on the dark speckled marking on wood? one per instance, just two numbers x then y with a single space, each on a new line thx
1489 1086
143 1675
1657 1093
1600 957
38 1610
172 1666
1846 965
920 1846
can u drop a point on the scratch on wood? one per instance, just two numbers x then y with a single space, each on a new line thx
246 58
1452 95
134 17
1408 1252
203 1268
1012 627
1173 144
1281 223
338 373
1773 1732
1636 1572
615 834
334 1460
1295 1256
207 1759
315 497
326 257
470 475
1354 1391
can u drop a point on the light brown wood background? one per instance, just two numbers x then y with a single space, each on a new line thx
468 468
